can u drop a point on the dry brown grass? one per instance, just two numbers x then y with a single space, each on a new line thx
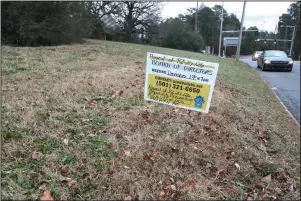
120 145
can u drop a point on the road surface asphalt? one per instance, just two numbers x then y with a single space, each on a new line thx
285 84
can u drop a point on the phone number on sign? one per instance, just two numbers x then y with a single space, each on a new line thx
177 86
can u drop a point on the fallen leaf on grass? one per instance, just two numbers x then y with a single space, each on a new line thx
189 183
145 115
66 141
237 166
70 181
267 178
127 153
110 145
176 110
161 195
64 172
147 157
36 156
50 112
169 182
46 196
128 197
278 190
90 100
117 93
173 187
260 185
42 186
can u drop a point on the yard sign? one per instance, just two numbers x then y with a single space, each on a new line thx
180 82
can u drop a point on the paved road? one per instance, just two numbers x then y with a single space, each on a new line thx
285 84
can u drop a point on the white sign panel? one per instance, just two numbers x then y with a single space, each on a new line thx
180 82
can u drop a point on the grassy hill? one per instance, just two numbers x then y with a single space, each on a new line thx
74 122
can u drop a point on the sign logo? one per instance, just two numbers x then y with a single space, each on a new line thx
180 82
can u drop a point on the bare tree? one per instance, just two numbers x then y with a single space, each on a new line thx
138 17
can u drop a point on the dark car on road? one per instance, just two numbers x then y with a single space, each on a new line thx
274 59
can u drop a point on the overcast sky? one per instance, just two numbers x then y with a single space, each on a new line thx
264 15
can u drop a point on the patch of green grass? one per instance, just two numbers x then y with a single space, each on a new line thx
138 62
66 158
49 145
18 174
99 120
15 67
98 146
272 149
266 168
11 132
136 100
13 53
163 128
12 135
79 56
71 117
104 99
99 166
40 59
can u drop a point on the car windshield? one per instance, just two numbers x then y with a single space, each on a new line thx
275 54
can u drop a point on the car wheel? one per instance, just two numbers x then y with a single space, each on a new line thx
263 68
290 70
258 65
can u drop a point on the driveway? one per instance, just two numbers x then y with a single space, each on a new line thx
285 84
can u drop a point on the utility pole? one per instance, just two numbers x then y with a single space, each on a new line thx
240 34
294 32
292 43
196 17
221 31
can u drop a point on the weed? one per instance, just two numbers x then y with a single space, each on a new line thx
14 66
18 174
99 146
12 132
138 62
12 135
163 128
66 158
266 168
272 149
99 120
49 145
136 100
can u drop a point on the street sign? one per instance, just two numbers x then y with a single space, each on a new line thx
180 82
231 41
